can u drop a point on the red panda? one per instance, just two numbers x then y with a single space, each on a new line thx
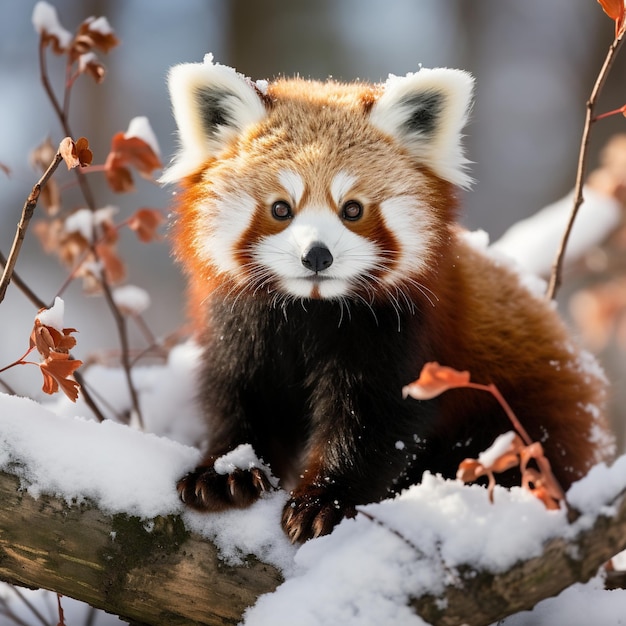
316 225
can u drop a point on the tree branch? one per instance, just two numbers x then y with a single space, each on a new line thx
154 572
27 213
157 572
488 597
556 276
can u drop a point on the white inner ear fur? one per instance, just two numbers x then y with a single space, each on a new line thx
196 91
438 147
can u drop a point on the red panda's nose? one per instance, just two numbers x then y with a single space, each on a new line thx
317 257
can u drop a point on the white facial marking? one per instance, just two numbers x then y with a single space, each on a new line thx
353 256
229 216
341 185
293 184
411 223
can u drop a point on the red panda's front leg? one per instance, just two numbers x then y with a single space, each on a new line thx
225 479
354 458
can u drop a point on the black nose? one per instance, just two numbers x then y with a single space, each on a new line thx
317 257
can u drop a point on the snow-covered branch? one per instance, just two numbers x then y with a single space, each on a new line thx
488 597
90 510
152 571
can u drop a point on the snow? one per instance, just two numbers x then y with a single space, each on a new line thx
46 22
53 316
499 447
131 299
533 242
83 221
84 60
243 457
99 25
363 573
262 86
78 465
140 127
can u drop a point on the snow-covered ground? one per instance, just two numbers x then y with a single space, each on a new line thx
362 573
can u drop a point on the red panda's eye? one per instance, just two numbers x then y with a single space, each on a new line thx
352 210
281 210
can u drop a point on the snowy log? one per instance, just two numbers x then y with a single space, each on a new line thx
157 572
484 598
154 572
90 510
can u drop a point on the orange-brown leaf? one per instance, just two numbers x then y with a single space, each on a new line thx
56 370
136 152
41 156
114 268
47 339
616 10
118 176
83 152
470 470
434 380
613 8
75 154
145 223
89 63
50 197
95 33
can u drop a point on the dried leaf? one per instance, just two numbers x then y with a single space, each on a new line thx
114 268
119 177
130 151
57 369
616 10
85 155
95 33
434 380
613 8
470 470
89 63
47 339
76 153
41 157
50 197
145 223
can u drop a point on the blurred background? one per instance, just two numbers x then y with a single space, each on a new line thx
535 63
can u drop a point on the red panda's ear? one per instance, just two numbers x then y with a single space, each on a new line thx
212 104
426 112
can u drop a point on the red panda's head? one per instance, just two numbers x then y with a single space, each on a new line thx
315 190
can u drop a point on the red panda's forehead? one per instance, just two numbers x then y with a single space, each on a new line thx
318 140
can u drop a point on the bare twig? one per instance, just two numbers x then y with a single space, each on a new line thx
27 213
556 275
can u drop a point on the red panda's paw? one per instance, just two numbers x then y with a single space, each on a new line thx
313 512
205 489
